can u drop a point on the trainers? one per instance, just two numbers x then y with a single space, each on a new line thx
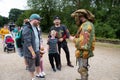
40 76
43 73
33 78
37 75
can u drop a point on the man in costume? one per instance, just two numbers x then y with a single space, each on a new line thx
84 40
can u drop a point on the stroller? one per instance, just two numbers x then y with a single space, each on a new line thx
9 43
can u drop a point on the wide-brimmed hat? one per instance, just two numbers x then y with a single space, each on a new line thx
83 12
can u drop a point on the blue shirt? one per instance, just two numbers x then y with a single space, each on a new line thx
37 41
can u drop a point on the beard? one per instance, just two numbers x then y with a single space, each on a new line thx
78 22
35 24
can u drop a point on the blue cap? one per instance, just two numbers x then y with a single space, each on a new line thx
35 16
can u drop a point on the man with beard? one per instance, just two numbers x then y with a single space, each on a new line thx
84 40
31 44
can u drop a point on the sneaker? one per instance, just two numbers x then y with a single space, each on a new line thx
33 78
40 76
43 73
37 75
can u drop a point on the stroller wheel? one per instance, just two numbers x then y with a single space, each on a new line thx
14 49
7 51
4 49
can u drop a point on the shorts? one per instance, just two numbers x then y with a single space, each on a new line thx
32 63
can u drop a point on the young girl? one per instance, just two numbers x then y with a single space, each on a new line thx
42 51
53 50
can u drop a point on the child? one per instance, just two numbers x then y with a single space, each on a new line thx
53 50
42 51
9 39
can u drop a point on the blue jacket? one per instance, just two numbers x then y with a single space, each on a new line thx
28 37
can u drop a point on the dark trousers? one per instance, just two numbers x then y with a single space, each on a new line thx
64 46
52 57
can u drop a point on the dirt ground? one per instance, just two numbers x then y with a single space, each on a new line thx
105 65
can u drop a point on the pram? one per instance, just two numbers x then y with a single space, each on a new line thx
9 43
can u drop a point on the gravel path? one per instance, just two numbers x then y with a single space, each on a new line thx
105 65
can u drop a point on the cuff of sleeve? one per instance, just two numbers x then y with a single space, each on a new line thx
64 37
28 45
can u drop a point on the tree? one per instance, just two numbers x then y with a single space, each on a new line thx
106 14
3 20
46 8
14 14
25 15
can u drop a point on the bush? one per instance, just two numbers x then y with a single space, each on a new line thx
104 30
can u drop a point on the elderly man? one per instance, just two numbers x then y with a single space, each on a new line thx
84 40
31 45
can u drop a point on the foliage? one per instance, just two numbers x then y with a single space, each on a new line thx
107 14
23 16
107 22
14 14
3 20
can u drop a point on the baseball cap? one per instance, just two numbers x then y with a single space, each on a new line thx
35 16
56 17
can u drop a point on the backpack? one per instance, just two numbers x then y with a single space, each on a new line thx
18 39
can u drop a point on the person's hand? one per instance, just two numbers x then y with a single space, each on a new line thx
71 38
61 39
34 56
42 50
